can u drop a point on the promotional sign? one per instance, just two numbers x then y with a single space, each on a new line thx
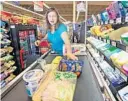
80 6
38 5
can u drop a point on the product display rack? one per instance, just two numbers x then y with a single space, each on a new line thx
15 30
8 64
123 75
103 82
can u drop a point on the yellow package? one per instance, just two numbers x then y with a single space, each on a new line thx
56 60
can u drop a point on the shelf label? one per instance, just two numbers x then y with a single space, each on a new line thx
101 22
126 48
111 21
100 38
106 22
124 77
113 43
12 26
108 41
102 56
104 40
118 20
117 70
126 19
107 81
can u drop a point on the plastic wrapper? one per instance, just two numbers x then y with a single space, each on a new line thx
71 65
58 86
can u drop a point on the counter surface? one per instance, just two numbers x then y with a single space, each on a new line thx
86 89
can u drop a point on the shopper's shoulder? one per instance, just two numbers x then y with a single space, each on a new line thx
62 25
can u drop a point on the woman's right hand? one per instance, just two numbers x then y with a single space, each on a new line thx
37 42
72 56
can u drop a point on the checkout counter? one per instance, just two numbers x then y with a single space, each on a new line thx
87 88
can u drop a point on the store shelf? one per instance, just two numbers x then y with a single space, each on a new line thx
117 21
110 62
112 89
117 44
104 82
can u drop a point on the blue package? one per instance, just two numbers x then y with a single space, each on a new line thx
104 16
71 65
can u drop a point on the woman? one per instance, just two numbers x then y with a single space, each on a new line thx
57 34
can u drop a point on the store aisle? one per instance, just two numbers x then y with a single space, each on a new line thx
86 89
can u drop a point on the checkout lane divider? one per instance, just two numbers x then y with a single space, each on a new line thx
15 81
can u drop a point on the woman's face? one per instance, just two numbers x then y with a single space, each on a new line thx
52 18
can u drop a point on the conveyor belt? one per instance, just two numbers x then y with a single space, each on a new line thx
86 88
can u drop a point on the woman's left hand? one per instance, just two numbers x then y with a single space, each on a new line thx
72 56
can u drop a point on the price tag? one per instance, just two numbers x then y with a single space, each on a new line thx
111 21
102 74
108 41
117 70
126 19
107 81
101 23
118 20
102 56
100 38
124 77
126 48
106 22
12 26
113 43
104 40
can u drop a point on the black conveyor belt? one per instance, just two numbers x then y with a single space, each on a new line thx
86 88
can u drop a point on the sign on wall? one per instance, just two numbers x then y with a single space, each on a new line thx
38 5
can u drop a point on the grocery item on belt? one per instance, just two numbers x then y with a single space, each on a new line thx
56 60
57 87
124 93
71 65
32 80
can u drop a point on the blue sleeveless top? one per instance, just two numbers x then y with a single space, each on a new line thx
56 40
